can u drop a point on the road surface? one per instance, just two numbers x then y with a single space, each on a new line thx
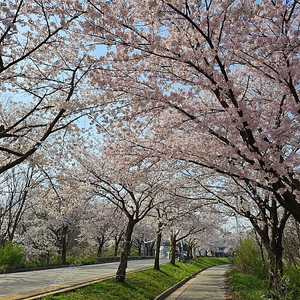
26 285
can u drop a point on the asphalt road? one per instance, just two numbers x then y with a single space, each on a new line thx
26 285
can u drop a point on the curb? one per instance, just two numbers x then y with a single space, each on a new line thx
176 286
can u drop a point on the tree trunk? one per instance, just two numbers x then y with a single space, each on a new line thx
2 241
64 244
139 248
261 249
194 252
116 249
157 251
190 251
271 237
151 247
101 241
117 242
275 249
120 276
15 223
275 269
273 245
172 250
48 257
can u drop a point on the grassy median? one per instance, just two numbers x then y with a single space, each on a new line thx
141 285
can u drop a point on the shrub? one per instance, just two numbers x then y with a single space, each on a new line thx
86 260
248 259
291 279
11 256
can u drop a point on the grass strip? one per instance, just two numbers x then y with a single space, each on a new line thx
141 285
250 287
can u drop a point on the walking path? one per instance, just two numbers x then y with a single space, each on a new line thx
208 285
27 285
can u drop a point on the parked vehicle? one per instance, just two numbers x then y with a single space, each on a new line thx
177 254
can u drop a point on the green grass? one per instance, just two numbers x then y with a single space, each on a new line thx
248 287
248 277
140 285
251 287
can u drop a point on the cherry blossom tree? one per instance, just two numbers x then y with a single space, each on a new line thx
39 243
190 224
211 242
15 191
181 218
212 82
134 189
61 204
183 212
100 224
291 242
119 232
159 230
267 218
144 237
43 63
232 241
164 214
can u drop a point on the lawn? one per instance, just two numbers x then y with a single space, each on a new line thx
140 285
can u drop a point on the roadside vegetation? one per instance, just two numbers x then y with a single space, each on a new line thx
249 275
11 256
141 285
12 259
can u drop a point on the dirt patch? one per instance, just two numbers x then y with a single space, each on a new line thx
228 292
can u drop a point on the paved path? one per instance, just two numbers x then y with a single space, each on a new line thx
208 285
24 285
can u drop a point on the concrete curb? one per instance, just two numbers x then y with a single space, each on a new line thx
176 286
